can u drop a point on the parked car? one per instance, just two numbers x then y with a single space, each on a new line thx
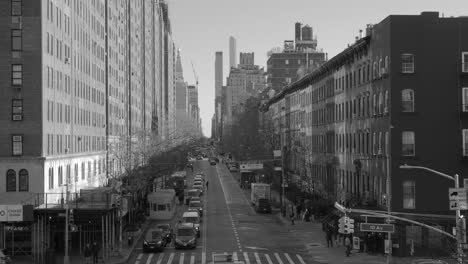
198 187
196 206
185 236
263 206
212 161
233 168
191 193
428 261
167 232
154 240
194 218
194 199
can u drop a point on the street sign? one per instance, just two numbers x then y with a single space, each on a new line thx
457 199
278 169
251 166
458 205
276 153
371 227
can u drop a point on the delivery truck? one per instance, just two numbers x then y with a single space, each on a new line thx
259 191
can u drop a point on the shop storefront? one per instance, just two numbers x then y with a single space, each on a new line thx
16 229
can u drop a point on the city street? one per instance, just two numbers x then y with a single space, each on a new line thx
231 226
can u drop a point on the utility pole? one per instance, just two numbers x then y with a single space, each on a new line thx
66 257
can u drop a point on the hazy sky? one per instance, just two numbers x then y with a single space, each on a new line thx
202 27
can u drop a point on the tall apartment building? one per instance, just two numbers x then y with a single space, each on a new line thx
81 74
243 82
296 59
383 102
218 88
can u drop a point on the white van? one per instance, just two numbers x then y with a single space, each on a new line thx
192 217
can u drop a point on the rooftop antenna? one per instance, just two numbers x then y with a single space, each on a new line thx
194 73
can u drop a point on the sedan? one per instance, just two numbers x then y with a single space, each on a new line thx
154 241
196 206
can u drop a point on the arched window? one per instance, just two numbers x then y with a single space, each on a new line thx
11 181
375 71
23 180
407 100
381 67
387 64
375 104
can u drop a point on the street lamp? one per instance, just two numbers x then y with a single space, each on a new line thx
457 212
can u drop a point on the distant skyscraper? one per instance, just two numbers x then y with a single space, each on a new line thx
232 52
218 73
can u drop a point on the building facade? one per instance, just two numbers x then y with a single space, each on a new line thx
88 83
295 60
377 105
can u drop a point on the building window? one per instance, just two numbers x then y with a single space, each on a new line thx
465 62
77 176
465 142
409 195
407 100
60 176
23 180
16 7
408 143
17 109
386 102
286 62
407 63
17 141
465 99
16 40
11 181
51 178
387 64
16 74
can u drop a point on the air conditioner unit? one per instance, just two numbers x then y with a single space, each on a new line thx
17 117
67 60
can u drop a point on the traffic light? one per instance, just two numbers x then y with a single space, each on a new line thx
71 217
349 225
345 225
341 226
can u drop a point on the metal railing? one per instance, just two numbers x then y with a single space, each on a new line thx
75 200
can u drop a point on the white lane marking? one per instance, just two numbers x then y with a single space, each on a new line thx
171 257
139 256
203 258
269 259
181 259
226 198
235 257
300 259
161 256
192 259
257 258
289 258
278 258
246 258
148 261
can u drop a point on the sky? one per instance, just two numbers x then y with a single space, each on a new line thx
202 27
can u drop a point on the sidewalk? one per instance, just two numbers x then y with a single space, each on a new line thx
115 258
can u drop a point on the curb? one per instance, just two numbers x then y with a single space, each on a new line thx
144 229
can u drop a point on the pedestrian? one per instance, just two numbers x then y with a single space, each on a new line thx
88 253
298 211
95 252
328 232
206 183
292 217
348 246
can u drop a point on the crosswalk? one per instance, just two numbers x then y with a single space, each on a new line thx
203 258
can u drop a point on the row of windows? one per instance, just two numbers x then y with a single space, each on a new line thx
97 168
361 107
63 144
362 143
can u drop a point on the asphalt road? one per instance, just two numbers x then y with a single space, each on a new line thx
229 226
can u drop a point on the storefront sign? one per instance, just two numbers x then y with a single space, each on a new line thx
15 213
